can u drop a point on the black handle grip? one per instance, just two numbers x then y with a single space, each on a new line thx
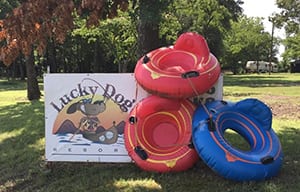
190 74
267 160
211 124
141 152
132 120
146 59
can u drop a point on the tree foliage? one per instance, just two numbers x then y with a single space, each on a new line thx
289 18
7 6
247 40
292 47
211 18
148 18
111 44
117 38
35 21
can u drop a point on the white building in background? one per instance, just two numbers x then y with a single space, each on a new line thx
261 66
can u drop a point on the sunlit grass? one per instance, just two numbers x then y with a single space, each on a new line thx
12 97
235 93
254 85
137 185
12 92
282 124
38 145
10 134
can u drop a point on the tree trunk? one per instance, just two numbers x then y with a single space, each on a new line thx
51 57
22 69
33 90
148 27
122 66
148 37
98 60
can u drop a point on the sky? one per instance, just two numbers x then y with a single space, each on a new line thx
261 8
264 8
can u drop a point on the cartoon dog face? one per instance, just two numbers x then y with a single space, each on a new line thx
90 125
87 108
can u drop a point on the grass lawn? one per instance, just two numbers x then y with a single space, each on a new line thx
22 143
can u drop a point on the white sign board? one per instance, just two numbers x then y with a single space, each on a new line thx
85 115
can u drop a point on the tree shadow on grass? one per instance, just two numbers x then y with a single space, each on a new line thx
259 81
6 85
22 165
290 142
22 128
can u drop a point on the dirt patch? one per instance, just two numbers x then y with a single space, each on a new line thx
283 106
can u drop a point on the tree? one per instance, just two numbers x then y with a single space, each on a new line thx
34 22
211 18
292 47
247 40
116 37
149 13
119 39
7 6
289 18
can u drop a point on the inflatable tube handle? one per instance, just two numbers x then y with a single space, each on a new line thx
132 120
211 124
190 74
146 59
224 102
267 160
191 144
141 152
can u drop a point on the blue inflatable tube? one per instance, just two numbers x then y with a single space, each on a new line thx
252 120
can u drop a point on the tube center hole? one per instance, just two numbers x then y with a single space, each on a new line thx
236 140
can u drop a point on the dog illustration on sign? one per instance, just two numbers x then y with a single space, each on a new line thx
89 125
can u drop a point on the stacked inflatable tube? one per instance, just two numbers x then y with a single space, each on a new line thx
184 70
251 119
158 132
158 135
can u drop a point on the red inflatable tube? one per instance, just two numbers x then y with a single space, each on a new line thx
184 70
158 135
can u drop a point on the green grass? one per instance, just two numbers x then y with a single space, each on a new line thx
259 85
22 143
